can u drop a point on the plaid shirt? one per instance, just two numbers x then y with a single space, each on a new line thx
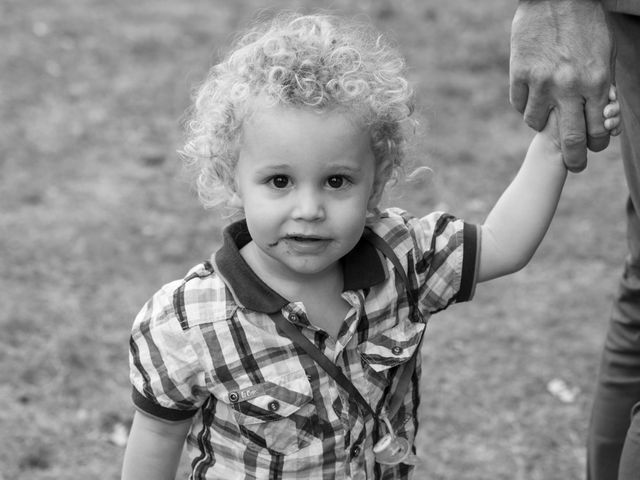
206 347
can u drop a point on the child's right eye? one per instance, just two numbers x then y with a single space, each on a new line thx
279 181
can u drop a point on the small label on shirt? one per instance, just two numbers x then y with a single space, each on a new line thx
248 393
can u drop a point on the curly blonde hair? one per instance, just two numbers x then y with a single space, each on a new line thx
320 62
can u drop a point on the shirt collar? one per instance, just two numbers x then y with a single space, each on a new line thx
362 267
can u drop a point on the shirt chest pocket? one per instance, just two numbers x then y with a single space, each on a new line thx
278 415
392 347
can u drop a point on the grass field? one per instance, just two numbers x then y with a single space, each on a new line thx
95 215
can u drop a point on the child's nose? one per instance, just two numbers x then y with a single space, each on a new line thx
309 206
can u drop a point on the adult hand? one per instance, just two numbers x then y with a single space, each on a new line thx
561 54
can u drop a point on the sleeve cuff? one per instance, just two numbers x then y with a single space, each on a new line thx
470 258
151 408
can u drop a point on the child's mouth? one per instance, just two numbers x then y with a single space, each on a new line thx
303 238
306 244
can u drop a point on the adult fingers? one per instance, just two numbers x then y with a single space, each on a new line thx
518 93
598 143
537 111
528 96
573 138
597 134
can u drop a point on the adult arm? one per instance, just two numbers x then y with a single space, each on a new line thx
154 448
561 53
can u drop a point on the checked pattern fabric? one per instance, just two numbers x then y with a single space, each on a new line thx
205 348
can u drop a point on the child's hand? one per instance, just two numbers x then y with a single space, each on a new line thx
612 113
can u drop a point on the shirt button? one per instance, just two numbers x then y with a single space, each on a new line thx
293 317
233 397
274 406
396 350
355 451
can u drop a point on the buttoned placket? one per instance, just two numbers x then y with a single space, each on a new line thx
296 314
355 454
358 454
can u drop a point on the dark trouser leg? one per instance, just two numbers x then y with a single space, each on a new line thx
630 458
618 387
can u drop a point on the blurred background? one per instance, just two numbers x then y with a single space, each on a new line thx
96 214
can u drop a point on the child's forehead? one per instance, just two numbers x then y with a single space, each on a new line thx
265 109
280 130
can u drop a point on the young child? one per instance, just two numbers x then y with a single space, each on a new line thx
300 128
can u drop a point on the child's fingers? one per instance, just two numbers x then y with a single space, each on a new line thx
611 113
612 110
612 123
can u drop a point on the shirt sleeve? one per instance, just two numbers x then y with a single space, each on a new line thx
167 378
446 256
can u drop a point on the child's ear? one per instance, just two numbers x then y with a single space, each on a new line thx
380 182
376 196
235 201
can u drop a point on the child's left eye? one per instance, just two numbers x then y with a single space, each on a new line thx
279 181
336 181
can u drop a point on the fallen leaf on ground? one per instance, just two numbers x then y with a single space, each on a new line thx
562 391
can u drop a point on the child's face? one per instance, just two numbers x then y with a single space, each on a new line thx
305 181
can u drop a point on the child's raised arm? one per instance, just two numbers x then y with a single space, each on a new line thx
517 223
154 448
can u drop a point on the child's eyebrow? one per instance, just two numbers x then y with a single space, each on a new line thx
330 168
344 168
281 166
